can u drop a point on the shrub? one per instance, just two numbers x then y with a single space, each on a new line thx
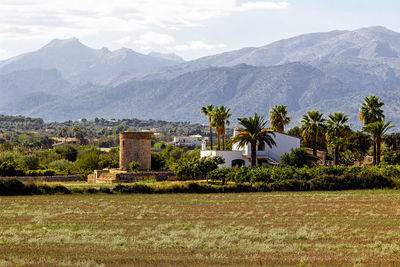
157 162
195 168
223 174
260 175
12 187
68 152
372 177
242 175
7 169
39 173
329 170
391 158
61 165
278 173
298 157
28 162
87 162
289 185
134 166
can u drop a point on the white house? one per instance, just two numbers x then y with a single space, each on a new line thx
193 140
242 156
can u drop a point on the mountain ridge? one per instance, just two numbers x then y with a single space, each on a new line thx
329 71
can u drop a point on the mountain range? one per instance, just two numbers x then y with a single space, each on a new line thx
328 71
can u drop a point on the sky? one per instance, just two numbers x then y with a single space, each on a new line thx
188 28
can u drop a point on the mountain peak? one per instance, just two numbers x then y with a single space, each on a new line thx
377 30
61 43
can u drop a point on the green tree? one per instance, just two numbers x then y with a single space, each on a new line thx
295 131
279 118
392 141
337 132
378 129
313 128
80 134
298 157
254 133
220 119
359 144
68 152
208 111
28 162
371 111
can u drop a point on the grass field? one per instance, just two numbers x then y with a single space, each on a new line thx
310 228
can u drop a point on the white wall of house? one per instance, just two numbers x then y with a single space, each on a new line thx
229 156
193 140
284 144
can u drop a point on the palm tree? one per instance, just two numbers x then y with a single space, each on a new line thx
313 128
64 133
378 129
371 111
208 111
254 133
279 118
337 132
220 119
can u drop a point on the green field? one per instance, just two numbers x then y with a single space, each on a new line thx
309 228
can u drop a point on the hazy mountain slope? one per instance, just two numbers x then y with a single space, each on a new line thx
169 56
20 83
244 88
376 44
79 63
366 43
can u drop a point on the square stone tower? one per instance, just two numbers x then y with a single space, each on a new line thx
135 146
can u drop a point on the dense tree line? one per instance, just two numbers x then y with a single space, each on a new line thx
34 133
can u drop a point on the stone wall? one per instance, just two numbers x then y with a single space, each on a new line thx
116 176
56 178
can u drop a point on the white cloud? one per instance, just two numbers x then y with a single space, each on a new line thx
124 40
146 48
153 38
197 45
262 5
3 53
23 19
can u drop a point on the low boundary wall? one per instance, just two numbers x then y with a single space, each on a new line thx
55 178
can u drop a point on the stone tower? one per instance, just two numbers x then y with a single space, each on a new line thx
135 146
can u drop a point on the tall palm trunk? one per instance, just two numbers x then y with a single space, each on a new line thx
211 135
314 148
253 154
336 155
378 151
219 142
374 158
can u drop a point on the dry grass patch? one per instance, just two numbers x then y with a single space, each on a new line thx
316 228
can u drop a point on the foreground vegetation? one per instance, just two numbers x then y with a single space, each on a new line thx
259 179
335 228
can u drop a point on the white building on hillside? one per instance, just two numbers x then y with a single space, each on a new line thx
193 140
242 156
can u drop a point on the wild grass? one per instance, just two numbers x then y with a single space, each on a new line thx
244 229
